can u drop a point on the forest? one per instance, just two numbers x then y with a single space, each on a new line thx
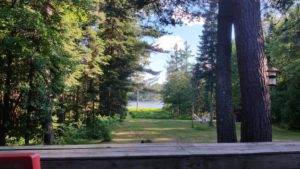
67 67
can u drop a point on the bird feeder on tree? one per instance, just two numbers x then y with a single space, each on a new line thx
272 73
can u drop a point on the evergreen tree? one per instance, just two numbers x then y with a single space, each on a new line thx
179 60
206 60
38 45
177 92
121 36
31 47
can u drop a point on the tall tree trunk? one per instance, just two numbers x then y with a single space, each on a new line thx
109 103
29 106
211 100
252 63
6 102
76 107
49 132
225 118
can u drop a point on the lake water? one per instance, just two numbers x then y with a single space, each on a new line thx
148 104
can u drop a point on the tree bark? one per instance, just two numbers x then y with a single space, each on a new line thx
252 63
49 135
49 131
211 90
225 119
76 107
5 116
29 106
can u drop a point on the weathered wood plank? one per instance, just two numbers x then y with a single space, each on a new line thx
287 161
167 156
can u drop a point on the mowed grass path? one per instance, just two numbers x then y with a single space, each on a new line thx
135 130
179 131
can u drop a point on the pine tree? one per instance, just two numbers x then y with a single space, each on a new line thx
121 36
177 92
206 60
38 52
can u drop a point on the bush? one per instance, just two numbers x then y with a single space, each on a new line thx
102 128
78 132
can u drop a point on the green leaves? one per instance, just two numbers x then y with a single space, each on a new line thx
178 91
62 57
33 42
283 48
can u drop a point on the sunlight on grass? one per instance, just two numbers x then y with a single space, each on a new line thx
126 140
134 130
180 131
149 113
164 129
124 133
162 139
144 109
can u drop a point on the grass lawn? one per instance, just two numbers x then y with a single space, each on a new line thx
133 130
149 113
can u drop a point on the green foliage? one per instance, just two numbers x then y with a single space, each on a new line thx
120 34
150 113
284 51
178 61
178 94
35 63
72 59
78 132
236 91
204 70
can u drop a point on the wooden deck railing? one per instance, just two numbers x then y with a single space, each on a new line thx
166 156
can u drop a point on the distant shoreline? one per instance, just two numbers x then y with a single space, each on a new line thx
146 104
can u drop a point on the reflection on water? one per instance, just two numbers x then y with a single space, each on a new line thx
149 104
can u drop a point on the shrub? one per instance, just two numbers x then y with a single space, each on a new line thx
77 132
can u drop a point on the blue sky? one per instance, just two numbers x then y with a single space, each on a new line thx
189 33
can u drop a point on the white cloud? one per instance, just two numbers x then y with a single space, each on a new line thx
186 18
168 42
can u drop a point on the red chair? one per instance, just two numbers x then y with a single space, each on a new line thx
20 161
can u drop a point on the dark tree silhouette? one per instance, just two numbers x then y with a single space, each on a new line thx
252 63
225 118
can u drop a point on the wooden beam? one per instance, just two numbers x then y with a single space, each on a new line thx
166 156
